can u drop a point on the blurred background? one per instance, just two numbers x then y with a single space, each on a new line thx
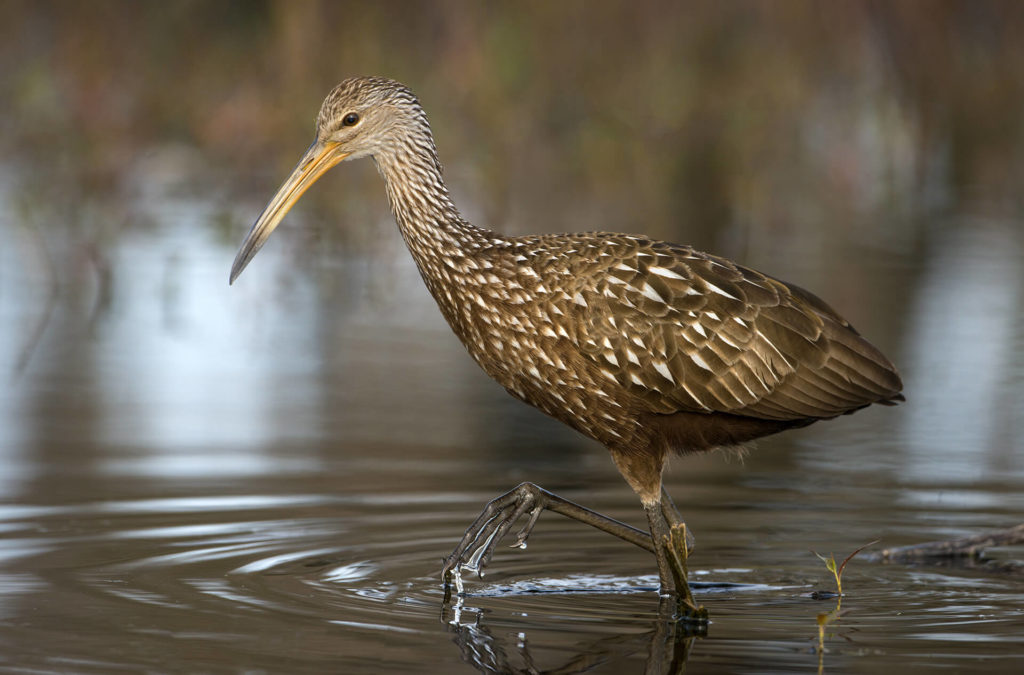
819 142
870 151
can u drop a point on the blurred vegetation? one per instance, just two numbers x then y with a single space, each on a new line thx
684 120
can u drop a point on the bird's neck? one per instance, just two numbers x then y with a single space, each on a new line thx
444 245
429 222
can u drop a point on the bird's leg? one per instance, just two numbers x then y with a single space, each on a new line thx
661 537
477 545
671 548
643 471
677 527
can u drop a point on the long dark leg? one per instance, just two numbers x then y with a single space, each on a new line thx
477 545
671 581
673 543
670 552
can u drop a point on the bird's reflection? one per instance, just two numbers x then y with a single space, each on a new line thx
667 643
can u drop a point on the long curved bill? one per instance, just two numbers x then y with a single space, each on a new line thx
320 157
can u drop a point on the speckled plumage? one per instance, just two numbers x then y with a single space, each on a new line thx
645 346
603 330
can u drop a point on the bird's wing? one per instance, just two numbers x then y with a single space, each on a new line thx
686 331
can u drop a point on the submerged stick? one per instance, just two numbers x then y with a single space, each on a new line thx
967 547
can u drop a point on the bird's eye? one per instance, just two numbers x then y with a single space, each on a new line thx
350 120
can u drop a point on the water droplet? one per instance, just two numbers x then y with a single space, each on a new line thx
457 575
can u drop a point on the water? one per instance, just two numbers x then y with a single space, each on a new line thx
338 571
264 478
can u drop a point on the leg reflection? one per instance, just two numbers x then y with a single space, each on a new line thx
666 645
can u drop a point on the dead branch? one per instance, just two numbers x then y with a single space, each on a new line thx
968 547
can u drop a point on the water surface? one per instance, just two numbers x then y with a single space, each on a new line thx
265 478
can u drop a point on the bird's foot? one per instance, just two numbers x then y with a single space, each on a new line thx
478 543
675 522
673 543
683 540
678 546
684 612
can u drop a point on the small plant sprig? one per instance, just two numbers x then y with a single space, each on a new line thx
825 618
837 571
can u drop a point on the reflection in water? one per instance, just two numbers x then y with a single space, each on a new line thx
967 329
175 301
341 575
665 645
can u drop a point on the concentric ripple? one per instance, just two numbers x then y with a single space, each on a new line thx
307 583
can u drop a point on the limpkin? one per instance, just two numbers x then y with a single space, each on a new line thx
647 347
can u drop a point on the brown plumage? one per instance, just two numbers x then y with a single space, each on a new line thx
645 346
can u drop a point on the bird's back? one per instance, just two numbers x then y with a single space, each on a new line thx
624 338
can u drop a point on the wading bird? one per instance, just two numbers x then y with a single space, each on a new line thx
647 347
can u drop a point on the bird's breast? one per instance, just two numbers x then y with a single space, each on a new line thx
522 329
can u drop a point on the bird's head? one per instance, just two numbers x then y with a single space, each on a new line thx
362 116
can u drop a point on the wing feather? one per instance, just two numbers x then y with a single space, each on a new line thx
696 333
